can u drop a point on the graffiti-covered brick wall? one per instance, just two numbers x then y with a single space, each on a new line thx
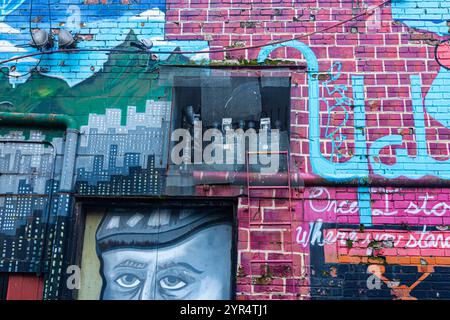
342 194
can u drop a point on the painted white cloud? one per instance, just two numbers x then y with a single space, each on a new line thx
6 46
150 15
7 29
15 74
29 59
200 57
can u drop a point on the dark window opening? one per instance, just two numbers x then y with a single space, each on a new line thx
244 100
261 103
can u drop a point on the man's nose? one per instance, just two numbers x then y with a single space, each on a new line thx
148 290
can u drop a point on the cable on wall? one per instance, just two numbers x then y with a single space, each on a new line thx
32 39
369 11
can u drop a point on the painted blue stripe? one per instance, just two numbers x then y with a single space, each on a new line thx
365 210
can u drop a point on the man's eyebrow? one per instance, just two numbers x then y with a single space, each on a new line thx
131 264
178 264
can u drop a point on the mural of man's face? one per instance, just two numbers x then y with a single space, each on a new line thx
198 267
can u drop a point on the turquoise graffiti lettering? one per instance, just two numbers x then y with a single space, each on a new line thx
342 103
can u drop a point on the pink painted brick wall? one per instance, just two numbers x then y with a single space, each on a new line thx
275 259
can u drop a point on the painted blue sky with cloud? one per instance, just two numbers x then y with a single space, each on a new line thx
428 15
108 25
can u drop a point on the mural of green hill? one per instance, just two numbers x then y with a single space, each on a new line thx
125 79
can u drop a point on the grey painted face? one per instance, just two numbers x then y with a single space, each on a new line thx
199 267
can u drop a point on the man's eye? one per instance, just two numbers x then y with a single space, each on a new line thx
172 283
128 281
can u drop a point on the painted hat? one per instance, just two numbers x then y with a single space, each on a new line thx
154 227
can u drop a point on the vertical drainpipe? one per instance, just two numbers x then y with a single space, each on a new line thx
61 213
55 286
70 153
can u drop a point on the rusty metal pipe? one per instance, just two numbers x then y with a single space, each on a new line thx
38 119
307 179
51 120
